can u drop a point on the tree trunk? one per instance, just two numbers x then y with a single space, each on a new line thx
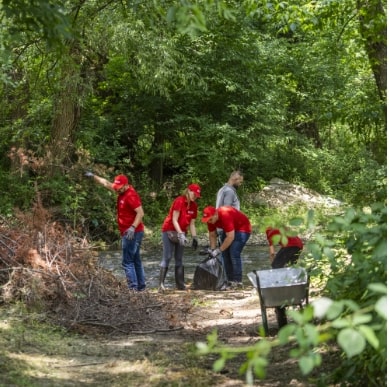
372 21
65 119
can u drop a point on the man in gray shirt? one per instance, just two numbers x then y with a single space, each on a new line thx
227 195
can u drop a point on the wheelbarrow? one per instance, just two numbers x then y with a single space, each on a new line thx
280 287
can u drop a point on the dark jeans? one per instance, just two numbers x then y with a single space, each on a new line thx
285 256
232 256
132 263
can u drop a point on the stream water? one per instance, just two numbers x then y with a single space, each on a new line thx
253 257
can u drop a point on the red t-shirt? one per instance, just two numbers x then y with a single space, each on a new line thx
188 211
230 219
126 203
293 241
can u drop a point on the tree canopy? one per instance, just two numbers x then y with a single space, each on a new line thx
170 93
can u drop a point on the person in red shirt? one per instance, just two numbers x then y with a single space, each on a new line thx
237 230
181 217
288 254
291 247
129 219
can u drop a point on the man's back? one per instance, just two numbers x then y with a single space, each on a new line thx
227 195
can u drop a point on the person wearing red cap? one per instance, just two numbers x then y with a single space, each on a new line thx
291 247
181 217
288 254
237 228
129 219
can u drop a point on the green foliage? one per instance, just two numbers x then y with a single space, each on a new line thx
353 259
241 88
47 19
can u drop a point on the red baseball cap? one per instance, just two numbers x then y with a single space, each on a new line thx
208 212
195 188
119 182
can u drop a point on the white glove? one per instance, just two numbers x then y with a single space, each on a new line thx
130 233
215 253
182 238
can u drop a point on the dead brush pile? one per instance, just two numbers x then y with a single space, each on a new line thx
46 266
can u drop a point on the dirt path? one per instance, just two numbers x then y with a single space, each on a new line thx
100 353
160 357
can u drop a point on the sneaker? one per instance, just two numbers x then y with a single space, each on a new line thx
225 286
235 285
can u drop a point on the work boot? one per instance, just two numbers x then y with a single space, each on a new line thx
162 276
179 275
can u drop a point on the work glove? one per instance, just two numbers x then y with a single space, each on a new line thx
129 234
182 238
215 253
195 243
89 174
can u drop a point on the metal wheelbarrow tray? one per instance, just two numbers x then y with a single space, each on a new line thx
280 287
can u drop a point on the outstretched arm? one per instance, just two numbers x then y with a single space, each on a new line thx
104 182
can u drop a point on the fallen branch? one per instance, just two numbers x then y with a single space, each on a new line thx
80 365
157 331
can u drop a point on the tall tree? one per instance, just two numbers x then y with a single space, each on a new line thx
373 27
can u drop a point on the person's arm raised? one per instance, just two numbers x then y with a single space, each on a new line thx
104 182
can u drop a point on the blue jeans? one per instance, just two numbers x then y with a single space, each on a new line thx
132 263
232 256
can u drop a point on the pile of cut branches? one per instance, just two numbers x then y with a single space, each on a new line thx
50 269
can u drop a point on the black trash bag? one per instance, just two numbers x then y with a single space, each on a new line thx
209 275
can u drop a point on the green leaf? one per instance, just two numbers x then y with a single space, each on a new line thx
370 335
218 365
351 341
312 334
359 319
202 347
285 332
306 364
381 250
334 310
340 323
351 304
381 307
378 287
296 221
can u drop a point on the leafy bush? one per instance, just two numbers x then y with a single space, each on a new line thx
351 255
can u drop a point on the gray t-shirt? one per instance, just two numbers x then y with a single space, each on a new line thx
227 196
